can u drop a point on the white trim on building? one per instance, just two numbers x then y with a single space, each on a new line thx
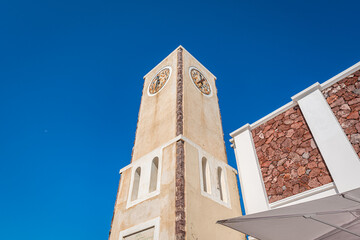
291 104
142 226
252 185
145 164
309 195
338 153
214 192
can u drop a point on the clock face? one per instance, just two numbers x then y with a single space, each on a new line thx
200 81
159 80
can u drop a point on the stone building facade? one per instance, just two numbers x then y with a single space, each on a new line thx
344 100
307 149
289 159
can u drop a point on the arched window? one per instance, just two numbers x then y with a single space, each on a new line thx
221 185
154 174
136 184
206 175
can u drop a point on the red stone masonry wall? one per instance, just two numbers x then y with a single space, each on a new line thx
344 100
288 156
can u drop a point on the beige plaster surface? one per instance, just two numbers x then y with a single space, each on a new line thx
202 121
157 126
157 114
162 205
202 212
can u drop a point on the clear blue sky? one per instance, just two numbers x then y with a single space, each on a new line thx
71 81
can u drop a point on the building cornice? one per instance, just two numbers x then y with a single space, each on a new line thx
296 98
172 141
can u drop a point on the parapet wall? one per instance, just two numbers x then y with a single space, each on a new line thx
344 100
288 156
280 158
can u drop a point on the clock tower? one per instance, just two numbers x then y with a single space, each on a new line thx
178 183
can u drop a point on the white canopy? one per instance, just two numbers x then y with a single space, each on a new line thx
334 217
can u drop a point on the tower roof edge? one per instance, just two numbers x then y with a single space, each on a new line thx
176 49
